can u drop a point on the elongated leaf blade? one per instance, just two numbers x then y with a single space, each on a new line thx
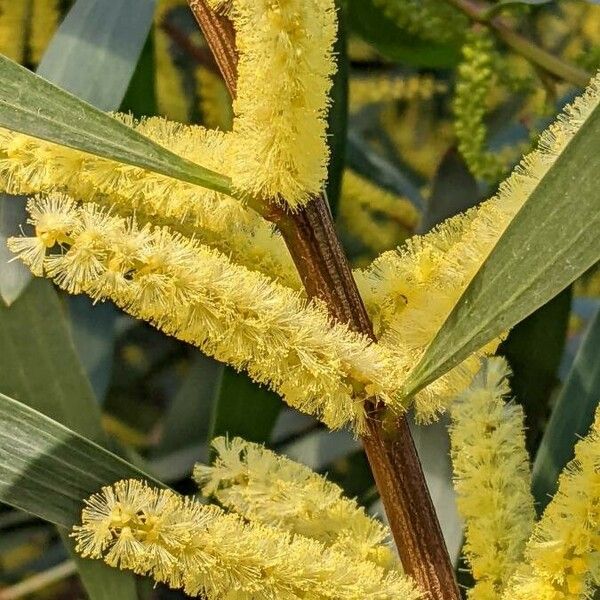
31 105
550 243
571 418
95 51
244 409
92 55
13 276
47 469
40 367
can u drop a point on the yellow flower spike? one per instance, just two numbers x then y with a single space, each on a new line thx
410 292
475 80
383 88
238 316
364 205
219 556
266 488
13 27
45 16
563 554
29 166
492 479
290 42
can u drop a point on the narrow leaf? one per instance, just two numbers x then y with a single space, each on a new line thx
551 241
36 107
39 365
187 421
244 409
13 276
47 469
571 418
94 53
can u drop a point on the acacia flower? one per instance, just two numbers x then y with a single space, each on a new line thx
563 554
492 479
219 556
198 295
270 489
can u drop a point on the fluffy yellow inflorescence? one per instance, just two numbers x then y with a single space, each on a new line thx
29 166
216 555
284 75
383 88
379 219
563 555
198 295
410 292
13 28
270 489
492 479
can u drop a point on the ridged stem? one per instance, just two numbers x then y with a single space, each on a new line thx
310 236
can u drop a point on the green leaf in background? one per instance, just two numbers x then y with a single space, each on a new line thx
39 365
551 242
36 107
571 418
94 53
47 469
393 43
140 98
40 368
244 409
534 349
13 276
338 116
188 418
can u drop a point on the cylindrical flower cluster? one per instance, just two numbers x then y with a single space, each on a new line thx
267 488
207 552
198 295
492 479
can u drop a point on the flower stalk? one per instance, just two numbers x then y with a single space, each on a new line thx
554 65
310 236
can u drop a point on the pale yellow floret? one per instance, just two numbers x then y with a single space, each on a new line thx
270 489
384 88
171 97
563 554
219 556
198 295
45 15
411 292
214 100
492 478
379 219
29 166
284 76
13 27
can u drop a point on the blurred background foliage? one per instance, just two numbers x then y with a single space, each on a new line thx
428 114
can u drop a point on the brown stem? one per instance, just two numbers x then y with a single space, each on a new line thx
554 65
326 274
